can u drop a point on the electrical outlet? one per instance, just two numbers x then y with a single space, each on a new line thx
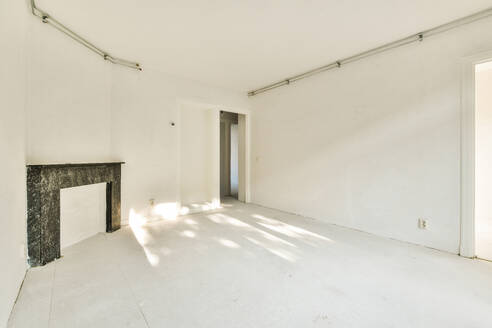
423 224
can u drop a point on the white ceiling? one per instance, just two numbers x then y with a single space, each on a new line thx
242 45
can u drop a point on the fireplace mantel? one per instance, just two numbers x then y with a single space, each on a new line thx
73 164
44 182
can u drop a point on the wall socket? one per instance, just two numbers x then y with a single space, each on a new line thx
423 224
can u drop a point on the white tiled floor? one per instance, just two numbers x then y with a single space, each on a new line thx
248 266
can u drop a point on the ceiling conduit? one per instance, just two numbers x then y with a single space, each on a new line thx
392 45
48 19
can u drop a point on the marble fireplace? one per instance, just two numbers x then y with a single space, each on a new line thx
43 202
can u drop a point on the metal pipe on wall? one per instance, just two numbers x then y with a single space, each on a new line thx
46 18
388 46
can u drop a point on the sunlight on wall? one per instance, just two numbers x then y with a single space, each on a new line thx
171 210
200 207
166 210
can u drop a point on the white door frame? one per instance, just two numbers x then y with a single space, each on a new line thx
468 114
244 182
247 150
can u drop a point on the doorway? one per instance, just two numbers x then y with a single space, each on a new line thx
232 157
483 160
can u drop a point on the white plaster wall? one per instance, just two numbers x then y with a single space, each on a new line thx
374 145
483 170
82 213
12 147
198 151
68 109
142 106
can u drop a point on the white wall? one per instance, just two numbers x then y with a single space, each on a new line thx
483 169
142 106
12 147
374 145
82 213
68 109
198 154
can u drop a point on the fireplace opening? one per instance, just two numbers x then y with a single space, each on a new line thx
82 213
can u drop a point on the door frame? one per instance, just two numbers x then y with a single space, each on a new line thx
243 122
468 152
246 174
